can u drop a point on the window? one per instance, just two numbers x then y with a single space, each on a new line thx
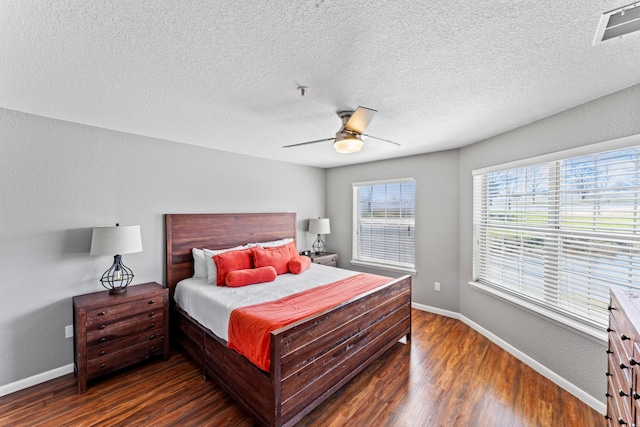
559 234
384 224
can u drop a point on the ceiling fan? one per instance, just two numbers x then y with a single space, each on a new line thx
349 138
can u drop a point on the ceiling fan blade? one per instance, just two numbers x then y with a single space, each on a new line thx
308 142
381 139
360 119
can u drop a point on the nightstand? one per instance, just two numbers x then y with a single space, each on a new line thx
115 331
325 258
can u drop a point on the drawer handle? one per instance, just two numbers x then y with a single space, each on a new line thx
103 365
103 339
611 308
624 337
623 366
622 422
102 353
636 396
609 351
103 326
151 302
607 394
609 330
151 326
152 314
622 393
633 362
152 348
608 374
607 417
102 313
152 336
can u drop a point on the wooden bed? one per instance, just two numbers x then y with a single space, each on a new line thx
310 359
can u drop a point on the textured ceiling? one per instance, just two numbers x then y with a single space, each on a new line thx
224 74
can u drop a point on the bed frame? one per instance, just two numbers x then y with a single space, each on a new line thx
311 358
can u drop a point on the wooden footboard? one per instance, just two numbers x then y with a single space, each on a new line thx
320 354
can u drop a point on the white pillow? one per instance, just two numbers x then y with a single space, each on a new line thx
199 264
212 271
275 243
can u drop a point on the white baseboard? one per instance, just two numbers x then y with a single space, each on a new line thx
35 379
435 310
535 365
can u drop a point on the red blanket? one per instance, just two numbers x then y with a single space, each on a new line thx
250 327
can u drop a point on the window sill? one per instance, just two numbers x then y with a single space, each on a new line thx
593 333
388 267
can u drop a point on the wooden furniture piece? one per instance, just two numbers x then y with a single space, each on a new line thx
325 258
311 358
115 331
623 372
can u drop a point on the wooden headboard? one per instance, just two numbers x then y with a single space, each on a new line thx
218 231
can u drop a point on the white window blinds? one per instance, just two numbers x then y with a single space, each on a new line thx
384 223
559 234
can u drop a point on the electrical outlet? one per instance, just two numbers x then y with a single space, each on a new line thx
437 287
68 331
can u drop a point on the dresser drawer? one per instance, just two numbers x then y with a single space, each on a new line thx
122 358
329 259
108 314
108 348
618 361
620 387
618 407
620 327
109 332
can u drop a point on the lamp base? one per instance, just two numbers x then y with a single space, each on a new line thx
318 246
117 278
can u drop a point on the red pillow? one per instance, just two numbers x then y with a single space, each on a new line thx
293 249
278 257
231 261
299 264
250 276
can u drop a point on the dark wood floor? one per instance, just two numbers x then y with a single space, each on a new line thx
449 375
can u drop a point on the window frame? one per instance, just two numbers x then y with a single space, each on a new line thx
379 263
587 328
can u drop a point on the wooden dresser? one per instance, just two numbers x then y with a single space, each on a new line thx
115 331
623 372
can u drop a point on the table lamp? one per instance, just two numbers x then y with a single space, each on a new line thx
319 226
116 241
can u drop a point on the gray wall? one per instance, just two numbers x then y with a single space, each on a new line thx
437 201
578 359
59 179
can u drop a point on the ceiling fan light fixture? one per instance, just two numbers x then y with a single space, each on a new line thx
348 144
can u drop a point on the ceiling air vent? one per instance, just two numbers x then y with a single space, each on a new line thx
619 22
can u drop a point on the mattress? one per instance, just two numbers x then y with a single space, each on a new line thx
212 305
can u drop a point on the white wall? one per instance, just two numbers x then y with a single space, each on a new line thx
59 179
436 248
578 359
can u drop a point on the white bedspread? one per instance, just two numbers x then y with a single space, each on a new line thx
212 305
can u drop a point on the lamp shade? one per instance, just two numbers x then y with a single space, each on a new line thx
117 240
319 226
